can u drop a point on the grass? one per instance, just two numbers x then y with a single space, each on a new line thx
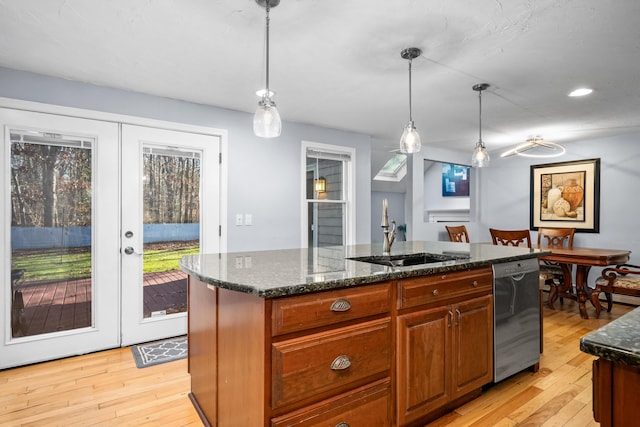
75 263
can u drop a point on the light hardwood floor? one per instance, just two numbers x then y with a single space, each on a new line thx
107 389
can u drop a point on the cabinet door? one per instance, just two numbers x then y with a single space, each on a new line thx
473 344
424 362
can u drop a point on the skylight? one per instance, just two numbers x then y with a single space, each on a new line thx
394 170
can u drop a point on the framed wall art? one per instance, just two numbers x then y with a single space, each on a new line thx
566 194
455 180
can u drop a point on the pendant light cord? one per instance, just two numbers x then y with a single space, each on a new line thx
267 59
480 116
410 115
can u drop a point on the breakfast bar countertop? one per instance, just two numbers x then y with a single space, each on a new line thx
276 273
618 341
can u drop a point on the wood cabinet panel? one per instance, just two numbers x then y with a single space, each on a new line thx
316 363
473 344
424 343
442 287
327 308
615 390
366 406
202 340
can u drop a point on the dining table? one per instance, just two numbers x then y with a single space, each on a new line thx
583 259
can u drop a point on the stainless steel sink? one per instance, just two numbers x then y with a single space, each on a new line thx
405 260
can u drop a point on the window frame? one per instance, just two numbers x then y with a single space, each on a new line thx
348 198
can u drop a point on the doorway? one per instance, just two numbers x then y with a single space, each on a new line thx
96 215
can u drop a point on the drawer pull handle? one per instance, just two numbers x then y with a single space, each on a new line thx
450 318
435 292
341 363
342 424
341 304
475 284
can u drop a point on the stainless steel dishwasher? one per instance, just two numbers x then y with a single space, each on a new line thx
516 320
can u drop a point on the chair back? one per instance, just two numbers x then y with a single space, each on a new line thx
511 237
556 237
458 233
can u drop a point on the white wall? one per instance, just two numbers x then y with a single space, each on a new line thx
264 174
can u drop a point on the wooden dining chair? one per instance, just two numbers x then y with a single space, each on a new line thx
557 276
511 237
458 233
624 279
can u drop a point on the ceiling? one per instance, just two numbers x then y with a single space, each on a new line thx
337 63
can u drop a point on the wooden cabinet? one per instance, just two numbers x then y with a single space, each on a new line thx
387 354
446 345
307 360
616 387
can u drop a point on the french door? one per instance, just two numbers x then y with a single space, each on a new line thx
170 193
95 216
60 245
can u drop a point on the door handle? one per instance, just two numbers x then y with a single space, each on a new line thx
129 250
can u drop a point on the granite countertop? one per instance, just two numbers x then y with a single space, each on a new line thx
276 273
618 341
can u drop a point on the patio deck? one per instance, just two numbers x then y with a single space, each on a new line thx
62 305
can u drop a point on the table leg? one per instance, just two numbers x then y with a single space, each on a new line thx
565 287
582 273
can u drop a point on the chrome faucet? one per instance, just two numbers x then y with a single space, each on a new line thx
389 236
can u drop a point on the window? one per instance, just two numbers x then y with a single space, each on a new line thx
328 207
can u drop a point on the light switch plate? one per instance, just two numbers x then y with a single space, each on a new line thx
238 219
248 219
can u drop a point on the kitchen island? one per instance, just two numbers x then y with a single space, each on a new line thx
314 337
616 371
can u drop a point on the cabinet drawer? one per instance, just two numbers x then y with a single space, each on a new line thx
439 287
317 363
366 406
325 308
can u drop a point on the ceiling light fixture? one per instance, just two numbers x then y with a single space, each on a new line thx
536 147
480 157
581 91
410 140
266 121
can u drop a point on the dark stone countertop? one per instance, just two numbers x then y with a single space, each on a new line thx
618 341
276 273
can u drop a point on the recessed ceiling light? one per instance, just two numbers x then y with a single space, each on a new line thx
581 91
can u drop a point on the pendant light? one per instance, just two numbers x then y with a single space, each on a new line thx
410 140
320 184
266 121
480 157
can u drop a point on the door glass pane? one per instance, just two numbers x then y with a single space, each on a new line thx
51 219
171 199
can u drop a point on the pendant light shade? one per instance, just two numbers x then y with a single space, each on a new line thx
410 140
266 121
480 157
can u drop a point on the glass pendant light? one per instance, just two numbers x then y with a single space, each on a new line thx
480 157
266 121
410 140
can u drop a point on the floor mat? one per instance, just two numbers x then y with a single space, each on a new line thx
154 353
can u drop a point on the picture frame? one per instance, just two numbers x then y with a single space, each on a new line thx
455 180
566 194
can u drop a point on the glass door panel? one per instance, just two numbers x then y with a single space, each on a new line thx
51 223
171 215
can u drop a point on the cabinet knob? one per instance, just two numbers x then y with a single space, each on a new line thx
341 304
475 284
435 292
342 424
341 363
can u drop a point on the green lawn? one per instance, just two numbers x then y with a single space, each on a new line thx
75 263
